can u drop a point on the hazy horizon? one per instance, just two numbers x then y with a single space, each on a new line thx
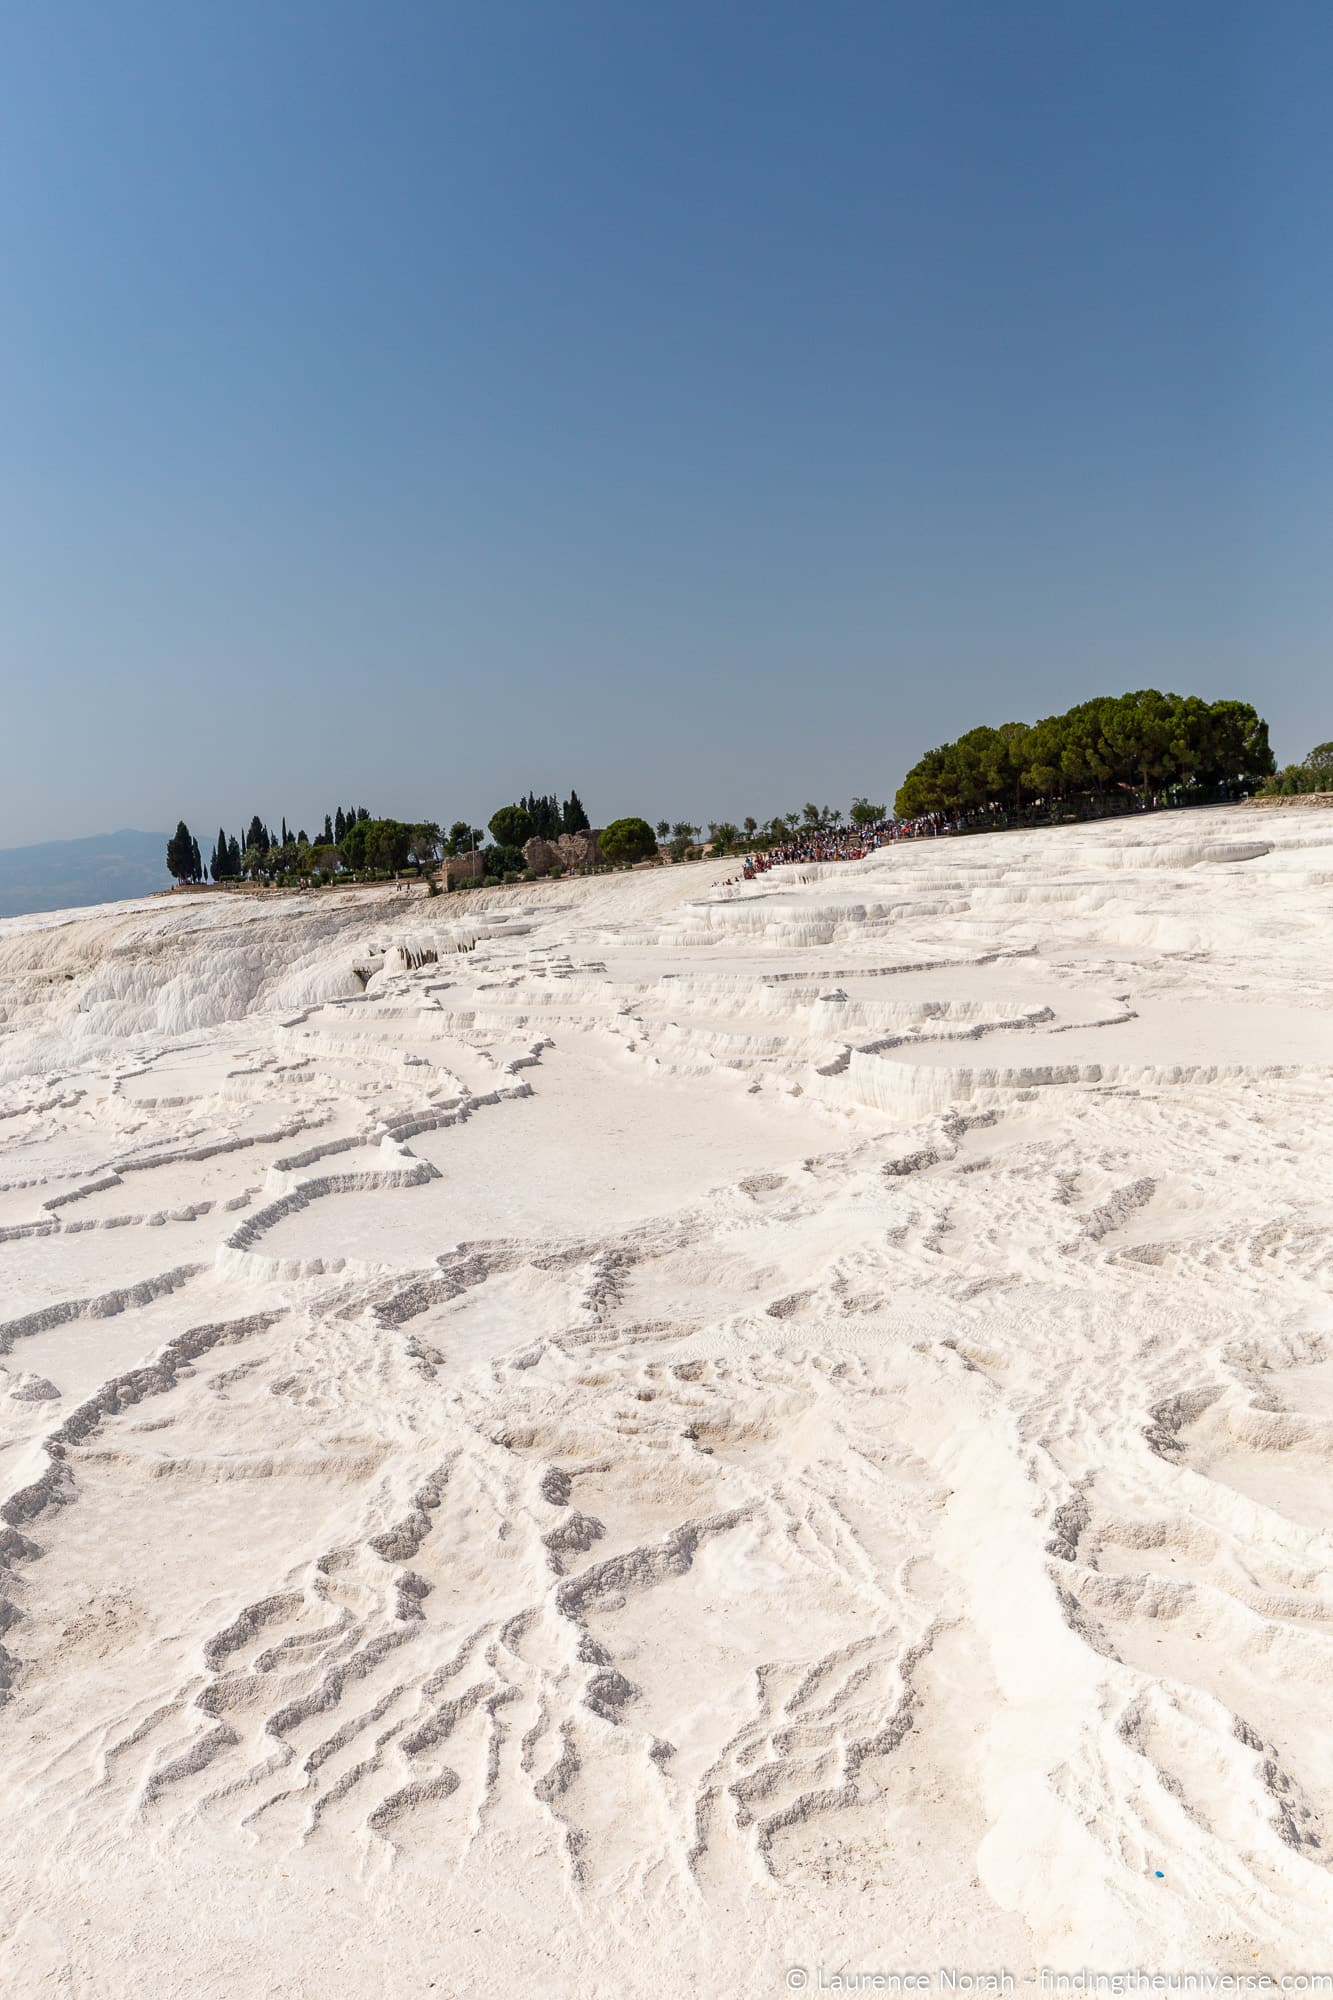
707 410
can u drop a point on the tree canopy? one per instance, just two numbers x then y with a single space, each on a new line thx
382 844
1132 742
628 840
1314 775
511 826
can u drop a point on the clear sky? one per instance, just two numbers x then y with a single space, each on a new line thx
705 403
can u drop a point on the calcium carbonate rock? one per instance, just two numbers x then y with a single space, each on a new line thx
27 1388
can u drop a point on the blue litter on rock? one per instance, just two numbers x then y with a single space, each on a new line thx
1158 1873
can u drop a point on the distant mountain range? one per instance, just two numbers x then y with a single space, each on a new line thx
65 874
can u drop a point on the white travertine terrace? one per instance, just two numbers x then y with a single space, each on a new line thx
619 1437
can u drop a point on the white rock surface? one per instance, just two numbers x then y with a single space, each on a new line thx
725 1428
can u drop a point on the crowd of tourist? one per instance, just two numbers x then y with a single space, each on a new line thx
841 843
820 843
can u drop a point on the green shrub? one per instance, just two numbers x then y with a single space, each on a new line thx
626 841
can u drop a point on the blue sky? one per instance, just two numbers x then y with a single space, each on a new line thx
711 406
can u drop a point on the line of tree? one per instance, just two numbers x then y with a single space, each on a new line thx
1147 743
258 851
352 843
684 840
1314 775
1144 743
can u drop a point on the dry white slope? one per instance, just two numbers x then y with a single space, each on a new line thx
715 1429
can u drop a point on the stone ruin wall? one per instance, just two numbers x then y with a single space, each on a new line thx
458 868
570 850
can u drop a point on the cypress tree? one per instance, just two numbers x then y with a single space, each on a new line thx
328 831
339 825
575 818
196 861
180 852
234 858
544 812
